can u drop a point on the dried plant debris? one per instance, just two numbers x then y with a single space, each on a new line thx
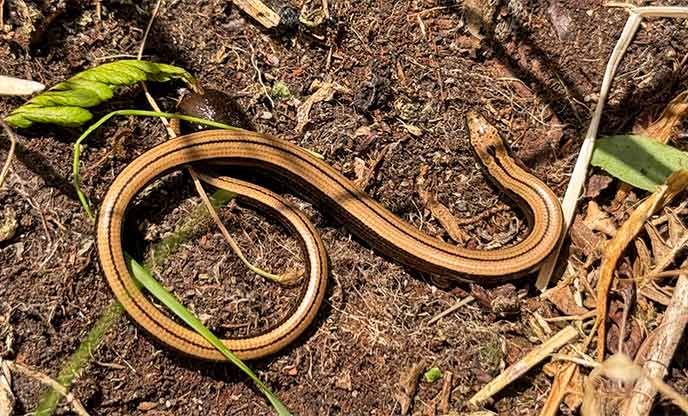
627 232
259 11
408 384
323 91
673 114
6 395
16 86
439 211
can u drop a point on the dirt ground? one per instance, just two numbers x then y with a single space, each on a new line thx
402 66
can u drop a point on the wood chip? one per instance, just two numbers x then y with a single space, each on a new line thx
408 383
259 11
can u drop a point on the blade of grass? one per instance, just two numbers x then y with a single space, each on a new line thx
160 252
169 300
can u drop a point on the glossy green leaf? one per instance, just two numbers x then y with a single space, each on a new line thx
65 104
638 160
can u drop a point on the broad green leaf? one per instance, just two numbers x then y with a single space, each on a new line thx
638 160
65 104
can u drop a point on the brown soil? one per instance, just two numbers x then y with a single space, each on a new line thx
409 63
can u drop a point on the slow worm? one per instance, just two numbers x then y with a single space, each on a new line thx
322 184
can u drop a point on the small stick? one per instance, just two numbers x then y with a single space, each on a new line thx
76 404
10 154
531 359
456 306
558 390
662 349
148 28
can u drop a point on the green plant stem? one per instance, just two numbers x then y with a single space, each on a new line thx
94 126
80 358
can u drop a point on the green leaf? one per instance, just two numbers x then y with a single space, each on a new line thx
168 299
65 103
432 375
638 160
64 116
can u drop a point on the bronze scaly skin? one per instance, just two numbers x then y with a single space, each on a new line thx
364 217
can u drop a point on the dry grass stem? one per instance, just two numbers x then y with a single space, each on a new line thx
580 170
148 28
532 358
10 153
44 379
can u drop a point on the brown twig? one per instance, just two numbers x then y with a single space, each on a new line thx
13 144
663 345
514 371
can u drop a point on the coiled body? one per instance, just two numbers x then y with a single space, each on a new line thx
318 181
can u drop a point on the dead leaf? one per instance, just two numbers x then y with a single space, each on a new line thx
363 174
599 220
672 115
325 92
562 298
582 236
597 184
439 211
408 383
